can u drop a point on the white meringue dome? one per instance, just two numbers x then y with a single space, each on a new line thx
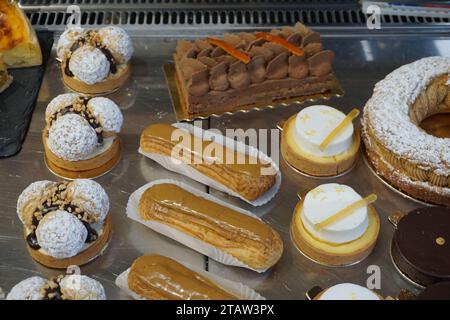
90 196
107 113
66 40
118 41
33 192
72 138
89 65
61 234
79 287
28 289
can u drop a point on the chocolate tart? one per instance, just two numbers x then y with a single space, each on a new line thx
420 246
438 291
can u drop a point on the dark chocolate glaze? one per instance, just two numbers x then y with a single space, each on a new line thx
53 293
417 246
109 56
438 291
92 234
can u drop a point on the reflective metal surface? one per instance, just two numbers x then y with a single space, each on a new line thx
360 62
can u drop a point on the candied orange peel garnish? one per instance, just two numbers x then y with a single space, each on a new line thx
238 54
341 126
280 41
341 214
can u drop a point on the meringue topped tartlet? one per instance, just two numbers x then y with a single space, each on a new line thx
347 291
95 61
81 135
63 287
334 225
320 141
65 223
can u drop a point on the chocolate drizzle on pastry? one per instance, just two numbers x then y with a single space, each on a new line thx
91 38
52 291
80 107
56 199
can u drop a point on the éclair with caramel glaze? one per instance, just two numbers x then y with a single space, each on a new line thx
156 277
245 178
247 239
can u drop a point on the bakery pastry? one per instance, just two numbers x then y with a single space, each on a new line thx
5 78
63 287
245 175
65 223
235 72
155 277
437 291
421 245
347 291
244 237
401 152
95 61
19 46
303 137
80 137
333 225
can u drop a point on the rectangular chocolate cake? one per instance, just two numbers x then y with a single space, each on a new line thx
240 70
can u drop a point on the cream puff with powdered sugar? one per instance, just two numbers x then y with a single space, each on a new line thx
95 61
65 223
63 287
81 135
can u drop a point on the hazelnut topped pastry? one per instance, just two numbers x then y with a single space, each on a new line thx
95 61
320 141
334 225
63 287
80 137
65 223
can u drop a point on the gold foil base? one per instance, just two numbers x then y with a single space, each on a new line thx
182 115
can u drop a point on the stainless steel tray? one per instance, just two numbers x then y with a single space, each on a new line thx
360 62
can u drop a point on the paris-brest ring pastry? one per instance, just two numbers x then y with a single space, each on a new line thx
65 223
333 225
401 152
81 135
95 61
63 287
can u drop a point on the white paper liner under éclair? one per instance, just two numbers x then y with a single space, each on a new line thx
191 172
189 241
237 289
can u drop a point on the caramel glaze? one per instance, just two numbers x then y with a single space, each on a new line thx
164 132
159 277
172 196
